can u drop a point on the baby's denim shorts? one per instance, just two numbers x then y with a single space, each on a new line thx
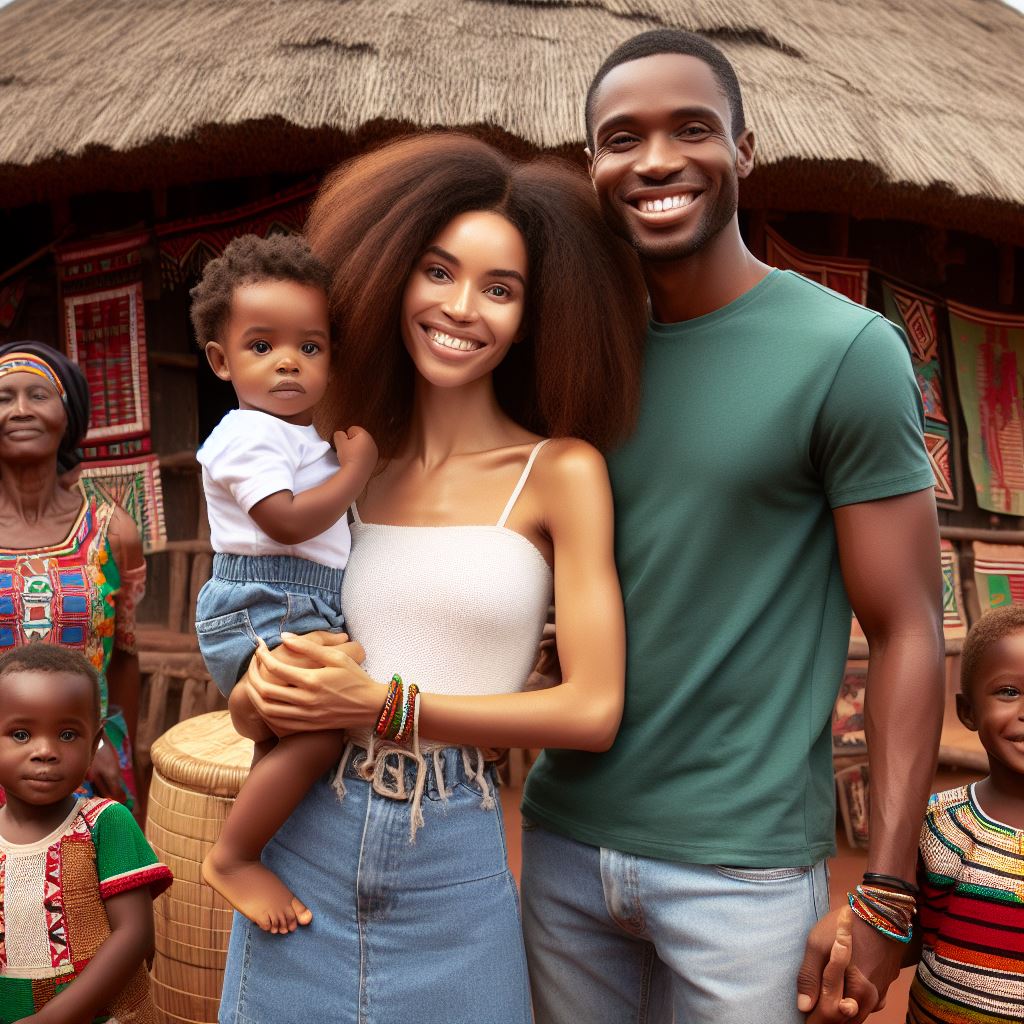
254 597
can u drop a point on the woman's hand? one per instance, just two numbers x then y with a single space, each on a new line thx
105 773
328 691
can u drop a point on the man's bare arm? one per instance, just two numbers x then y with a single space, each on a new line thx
889 554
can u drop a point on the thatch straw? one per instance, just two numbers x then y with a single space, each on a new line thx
926 93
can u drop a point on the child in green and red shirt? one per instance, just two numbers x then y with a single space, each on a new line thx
77 877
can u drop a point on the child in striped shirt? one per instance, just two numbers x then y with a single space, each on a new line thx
971 868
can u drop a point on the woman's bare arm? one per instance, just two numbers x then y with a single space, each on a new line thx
582 713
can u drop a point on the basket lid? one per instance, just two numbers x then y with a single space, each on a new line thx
205 754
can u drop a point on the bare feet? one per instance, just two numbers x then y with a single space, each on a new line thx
255 892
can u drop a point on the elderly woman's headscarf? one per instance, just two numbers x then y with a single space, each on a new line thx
68 381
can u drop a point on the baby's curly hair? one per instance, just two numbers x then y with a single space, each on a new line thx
989 629
246 260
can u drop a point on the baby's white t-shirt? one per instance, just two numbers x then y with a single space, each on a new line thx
251 455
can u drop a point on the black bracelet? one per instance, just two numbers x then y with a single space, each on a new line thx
873 878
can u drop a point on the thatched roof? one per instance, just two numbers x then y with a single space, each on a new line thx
917 100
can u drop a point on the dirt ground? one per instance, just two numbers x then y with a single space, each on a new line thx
845 872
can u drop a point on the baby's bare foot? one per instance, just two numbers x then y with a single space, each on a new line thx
255 892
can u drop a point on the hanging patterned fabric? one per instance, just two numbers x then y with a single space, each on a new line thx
847 276
186 246
105 333
918 315
954 622
134 484
998 574
989 353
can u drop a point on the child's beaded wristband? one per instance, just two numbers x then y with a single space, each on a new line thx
891 913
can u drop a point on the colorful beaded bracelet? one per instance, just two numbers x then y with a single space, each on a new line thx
393 698
888 912
412 700
398 717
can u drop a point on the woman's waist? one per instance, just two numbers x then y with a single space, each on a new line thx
454 671
398 773
444 758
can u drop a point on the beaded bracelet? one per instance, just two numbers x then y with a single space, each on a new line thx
890 882
393 699
397 722
880 924
398 717
891 913
412 704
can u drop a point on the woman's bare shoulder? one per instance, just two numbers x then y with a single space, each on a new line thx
571 458
568 468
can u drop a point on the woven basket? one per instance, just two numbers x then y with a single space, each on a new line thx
198 767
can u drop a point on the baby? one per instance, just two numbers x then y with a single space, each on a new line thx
971 868
277 500
77 877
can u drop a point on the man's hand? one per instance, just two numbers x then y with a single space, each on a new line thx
356 448
846 971
547 671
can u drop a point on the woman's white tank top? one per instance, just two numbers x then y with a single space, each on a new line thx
453 609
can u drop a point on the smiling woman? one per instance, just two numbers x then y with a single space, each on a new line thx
71 570
489 337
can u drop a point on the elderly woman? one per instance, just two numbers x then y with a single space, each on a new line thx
71 570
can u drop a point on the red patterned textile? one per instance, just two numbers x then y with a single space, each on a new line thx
186 246
847 276
105 333
106 336
989 352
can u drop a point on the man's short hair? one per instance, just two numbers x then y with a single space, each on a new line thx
671 40
989 629
40 657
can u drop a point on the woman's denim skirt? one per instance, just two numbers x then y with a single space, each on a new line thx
426 931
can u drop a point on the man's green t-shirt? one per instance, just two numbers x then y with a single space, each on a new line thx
756 421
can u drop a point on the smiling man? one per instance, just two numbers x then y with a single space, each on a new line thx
776 477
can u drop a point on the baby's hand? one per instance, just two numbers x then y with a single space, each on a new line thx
356 448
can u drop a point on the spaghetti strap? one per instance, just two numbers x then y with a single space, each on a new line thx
355 514
522 480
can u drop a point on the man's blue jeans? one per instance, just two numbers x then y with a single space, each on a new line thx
613 938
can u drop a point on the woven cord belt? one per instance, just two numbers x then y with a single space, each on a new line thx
384 767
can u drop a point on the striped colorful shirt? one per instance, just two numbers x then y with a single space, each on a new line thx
971 873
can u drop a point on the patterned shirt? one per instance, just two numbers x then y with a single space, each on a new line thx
971 873
52 917
64 594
